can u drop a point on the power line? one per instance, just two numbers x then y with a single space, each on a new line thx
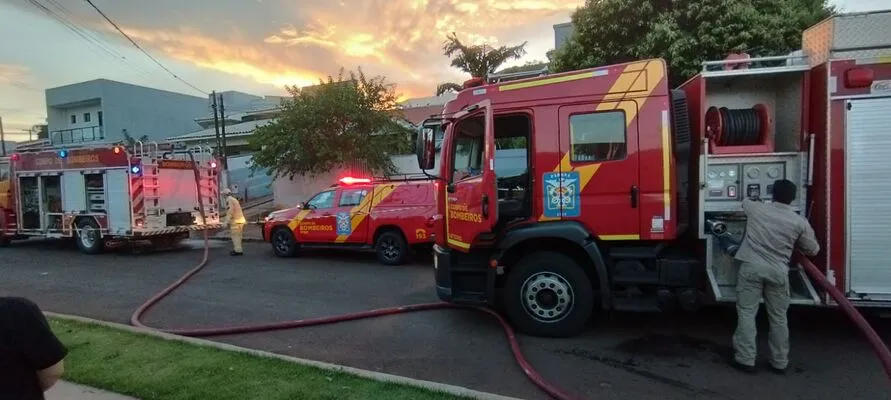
90 2
86 37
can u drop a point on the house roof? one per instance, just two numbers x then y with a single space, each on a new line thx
416 115
241 129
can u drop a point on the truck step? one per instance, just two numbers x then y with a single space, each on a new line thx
640 278
637 252
474 298
636 304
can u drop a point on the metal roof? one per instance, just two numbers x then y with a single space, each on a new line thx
235 130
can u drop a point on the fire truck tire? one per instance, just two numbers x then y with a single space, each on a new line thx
89 239
283 243
548 294
391 248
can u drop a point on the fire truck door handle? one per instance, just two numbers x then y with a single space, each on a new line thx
634 193
485 206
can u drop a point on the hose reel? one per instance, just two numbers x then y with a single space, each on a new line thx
749 127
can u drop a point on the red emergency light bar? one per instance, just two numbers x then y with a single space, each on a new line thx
349 180
15 156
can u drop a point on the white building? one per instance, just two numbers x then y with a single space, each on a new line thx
103 111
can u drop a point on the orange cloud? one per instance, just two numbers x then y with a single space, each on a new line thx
400 39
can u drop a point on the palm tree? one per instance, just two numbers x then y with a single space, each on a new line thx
477 60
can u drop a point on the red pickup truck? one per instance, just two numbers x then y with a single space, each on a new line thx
393 218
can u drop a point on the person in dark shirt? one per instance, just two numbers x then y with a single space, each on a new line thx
31 357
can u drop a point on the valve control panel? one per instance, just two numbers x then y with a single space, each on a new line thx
758 179
723 182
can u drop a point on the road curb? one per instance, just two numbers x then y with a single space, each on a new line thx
378 376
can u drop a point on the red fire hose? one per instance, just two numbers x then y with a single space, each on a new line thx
534 376
877 343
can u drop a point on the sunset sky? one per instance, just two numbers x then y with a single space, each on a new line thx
256 46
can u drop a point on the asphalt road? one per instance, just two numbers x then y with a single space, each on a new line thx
623 356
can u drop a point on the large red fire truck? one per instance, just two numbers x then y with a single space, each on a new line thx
631 194
100 193
391 216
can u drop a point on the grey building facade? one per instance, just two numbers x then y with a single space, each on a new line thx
102 111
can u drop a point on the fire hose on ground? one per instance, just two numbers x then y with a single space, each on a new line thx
536 378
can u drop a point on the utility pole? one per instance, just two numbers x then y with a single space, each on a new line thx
216 121
2 139
224 152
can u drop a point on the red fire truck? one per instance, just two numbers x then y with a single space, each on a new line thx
101 193
390 216
631 194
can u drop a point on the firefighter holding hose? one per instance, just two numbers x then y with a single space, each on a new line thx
236 221
773 232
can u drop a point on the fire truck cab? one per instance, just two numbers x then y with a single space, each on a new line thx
101 193
630 197
393 217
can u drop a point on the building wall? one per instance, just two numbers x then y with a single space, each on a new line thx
140 110
562 32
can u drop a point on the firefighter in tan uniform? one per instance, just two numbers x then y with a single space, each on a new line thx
235 219
773 232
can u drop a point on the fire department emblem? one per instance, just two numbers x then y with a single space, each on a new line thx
344 223
561 192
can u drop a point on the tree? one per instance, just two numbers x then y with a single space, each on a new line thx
40 130
684 32
477 60
528 66
337 123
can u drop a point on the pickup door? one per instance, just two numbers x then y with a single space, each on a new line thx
351 214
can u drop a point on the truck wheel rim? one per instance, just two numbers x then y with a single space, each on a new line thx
87 236
547 297
281 243
389 249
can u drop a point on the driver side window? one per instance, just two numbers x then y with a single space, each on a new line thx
322 200
469 146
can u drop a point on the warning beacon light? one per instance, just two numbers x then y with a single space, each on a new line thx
349 180
117 150
63 153
135 170
213 164
15 156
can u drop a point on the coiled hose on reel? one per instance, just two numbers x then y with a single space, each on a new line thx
738 127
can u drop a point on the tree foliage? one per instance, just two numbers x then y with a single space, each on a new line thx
528 66
339 123
684 32
476 60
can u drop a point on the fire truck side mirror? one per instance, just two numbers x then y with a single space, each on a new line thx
426 149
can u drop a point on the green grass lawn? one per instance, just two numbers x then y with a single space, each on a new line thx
148 367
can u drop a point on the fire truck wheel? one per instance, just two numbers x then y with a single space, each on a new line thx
391 248
283 243
89 239
548 294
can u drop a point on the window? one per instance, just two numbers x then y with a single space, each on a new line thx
469 145
352 198
73 119
4 173
99 116
86 117
322 200
598 137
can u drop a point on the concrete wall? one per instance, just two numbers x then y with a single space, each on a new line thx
251 185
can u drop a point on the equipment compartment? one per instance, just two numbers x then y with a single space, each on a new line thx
764 101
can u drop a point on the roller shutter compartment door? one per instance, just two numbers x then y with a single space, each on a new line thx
868 154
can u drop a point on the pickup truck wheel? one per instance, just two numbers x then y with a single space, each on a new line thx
283 243
548 294
89 239
391 248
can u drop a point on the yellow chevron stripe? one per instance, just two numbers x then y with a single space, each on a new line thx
297 219
367 204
